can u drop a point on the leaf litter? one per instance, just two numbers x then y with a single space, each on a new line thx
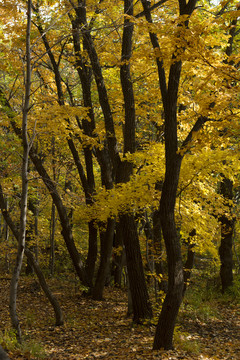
101 329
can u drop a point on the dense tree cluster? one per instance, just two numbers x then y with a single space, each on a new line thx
119 145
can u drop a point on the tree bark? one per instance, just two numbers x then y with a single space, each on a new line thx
166 323
24 194
141 305
63 216
52 299
92 251
139 294
52 239
118 256
106 254
158 252
225 249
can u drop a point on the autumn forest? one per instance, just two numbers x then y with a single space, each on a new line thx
119 179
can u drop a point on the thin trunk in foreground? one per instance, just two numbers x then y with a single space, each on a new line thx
33 263
24 195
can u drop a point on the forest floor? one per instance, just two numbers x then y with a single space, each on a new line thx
101 330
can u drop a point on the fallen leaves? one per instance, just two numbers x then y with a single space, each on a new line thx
101 330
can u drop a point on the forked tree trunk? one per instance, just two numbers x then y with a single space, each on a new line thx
165 328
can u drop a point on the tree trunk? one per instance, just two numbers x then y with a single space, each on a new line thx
165 328
166 323
24 195
52 239
92 251
158 252
33 262
140 300
63 216
118 257
3 354
106 253
139 294
52 299
225 249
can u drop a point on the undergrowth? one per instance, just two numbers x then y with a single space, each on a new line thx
31 349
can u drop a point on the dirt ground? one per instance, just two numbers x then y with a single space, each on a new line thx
101 330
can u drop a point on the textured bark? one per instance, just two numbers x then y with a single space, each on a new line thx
140 300
165 328
92 251
119 258
166 323
32 232
106 253
188 265
109 159
139 295
225 249
158 251
52 239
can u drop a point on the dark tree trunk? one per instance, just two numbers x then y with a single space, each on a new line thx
109 159
188 266
52 299
3 354
52 239
165 328
118 257
225 249
92 251
63 216
106 253
140 300
87 181
166 323
139 295
32 232
158 251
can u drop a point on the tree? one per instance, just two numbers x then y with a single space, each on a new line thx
115 168
174 156
227 226
33 263
135 125
24 195
226 190
3 354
